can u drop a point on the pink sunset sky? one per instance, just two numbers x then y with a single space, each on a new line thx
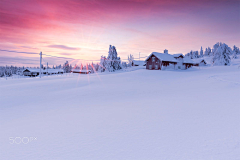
84 29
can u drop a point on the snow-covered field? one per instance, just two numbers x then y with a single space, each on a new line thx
141 114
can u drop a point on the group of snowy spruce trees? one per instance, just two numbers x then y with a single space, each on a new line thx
112 62
221 54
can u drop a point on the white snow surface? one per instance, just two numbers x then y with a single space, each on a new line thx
137 114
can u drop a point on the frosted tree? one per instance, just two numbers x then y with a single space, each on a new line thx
191 54
113 61
222 54
215 48
206 52
236 51
113 57
195 54
124 65
201 52
209 51
96 67
102 64
66 67
234 55
130 60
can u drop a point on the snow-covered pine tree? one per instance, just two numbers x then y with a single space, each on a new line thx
130 60
187 55
236 51
96 67
102 64
195 54
209 51
222 54
206 52
234 55
113 61
124 65
66 67
191 55
201 52
92 68
215 47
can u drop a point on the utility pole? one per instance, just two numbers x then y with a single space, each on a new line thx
40 65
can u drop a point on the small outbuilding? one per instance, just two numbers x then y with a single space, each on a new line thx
33 72
138 63
81 71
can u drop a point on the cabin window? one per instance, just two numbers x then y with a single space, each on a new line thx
153 59
150 66
156 66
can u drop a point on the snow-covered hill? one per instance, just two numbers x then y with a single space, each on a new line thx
140 114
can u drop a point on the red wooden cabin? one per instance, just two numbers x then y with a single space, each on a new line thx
156 60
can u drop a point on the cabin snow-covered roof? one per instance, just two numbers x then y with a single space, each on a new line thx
32 69
198 60
140 63
163 57
188 60
53 70
177 55
43 70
